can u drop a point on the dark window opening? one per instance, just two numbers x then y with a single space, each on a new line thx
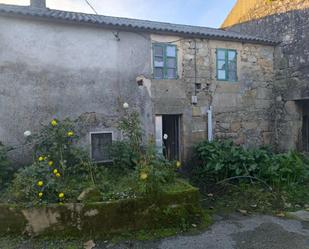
100 146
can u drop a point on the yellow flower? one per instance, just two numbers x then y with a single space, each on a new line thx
70 134
58 175
55 171
61 195
40 183
40 194
178 164
41 158
54 122
50 163
143 176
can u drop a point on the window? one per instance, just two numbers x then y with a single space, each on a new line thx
226 64
164 61
100 145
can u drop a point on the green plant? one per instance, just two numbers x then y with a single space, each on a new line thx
219 160
60 170
5 166
153 172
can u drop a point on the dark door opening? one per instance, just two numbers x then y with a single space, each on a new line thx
305 126
171 136
305 133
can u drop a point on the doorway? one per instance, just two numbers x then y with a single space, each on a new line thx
305 133
168 135
305 126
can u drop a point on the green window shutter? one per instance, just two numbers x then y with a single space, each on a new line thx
164 61
226 64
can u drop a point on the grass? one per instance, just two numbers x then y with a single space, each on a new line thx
255 198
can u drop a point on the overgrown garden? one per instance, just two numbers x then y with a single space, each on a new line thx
251 179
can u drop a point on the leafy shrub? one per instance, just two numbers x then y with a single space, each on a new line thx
219 160
153 172
58 165
5 166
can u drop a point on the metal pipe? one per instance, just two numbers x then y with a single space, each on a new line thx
210 131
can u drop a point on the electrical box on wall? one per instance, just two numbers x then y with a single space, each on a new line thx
194 100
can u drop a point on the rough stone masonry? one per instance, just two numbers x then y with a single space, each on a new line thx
288 22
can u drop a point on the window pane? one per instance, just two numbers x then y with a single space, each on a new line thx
232 65
232 76
171 51
221 54
171 73
221 65
232 55
100 146
158 51
221 74
158 73
171 63
159 62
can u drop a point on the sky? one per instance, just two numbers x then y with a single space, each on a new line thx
209 13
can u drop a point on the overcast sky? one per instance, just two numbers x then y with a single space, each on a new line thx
210 13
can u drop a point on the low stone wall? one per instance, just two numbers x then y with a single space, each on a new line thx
171 210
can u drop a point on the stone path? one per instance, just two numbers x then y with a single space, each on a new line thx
235 232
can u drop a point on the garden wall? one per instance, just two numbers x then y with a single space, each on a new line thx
173 210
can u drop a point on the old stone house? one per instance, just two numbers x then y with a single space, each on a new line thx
190 83
288 22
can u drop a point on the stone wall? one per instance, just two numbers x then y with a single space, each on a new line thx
172 210
240 109
249 10
56 70
286 21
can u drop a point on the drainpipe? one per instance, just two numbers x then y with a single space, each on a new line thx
210 131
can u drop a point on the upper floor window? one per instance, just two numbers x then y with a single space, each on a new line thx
164 61
226 64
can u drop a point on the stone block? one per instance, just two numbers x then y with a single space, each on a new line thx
196 111
267 137
235 126
250 125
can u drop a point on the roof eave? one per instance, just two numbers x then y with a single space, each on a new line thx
138 29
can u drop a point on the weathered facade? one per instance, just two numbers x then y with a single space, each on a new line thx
64 67
288 22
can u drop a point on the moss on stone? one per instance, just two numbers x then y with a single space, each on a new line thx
175 210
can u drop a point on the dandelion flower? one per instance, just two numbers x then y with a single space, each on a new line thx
143 176
70 134
41 158
40 194
55 171
50 163
40 183
58 175
54 122
61 195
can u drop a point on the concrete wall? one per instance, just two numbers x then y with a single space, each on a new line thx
288 22
58 70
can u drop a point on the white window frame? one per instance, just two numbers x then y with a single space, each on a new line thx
90 139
